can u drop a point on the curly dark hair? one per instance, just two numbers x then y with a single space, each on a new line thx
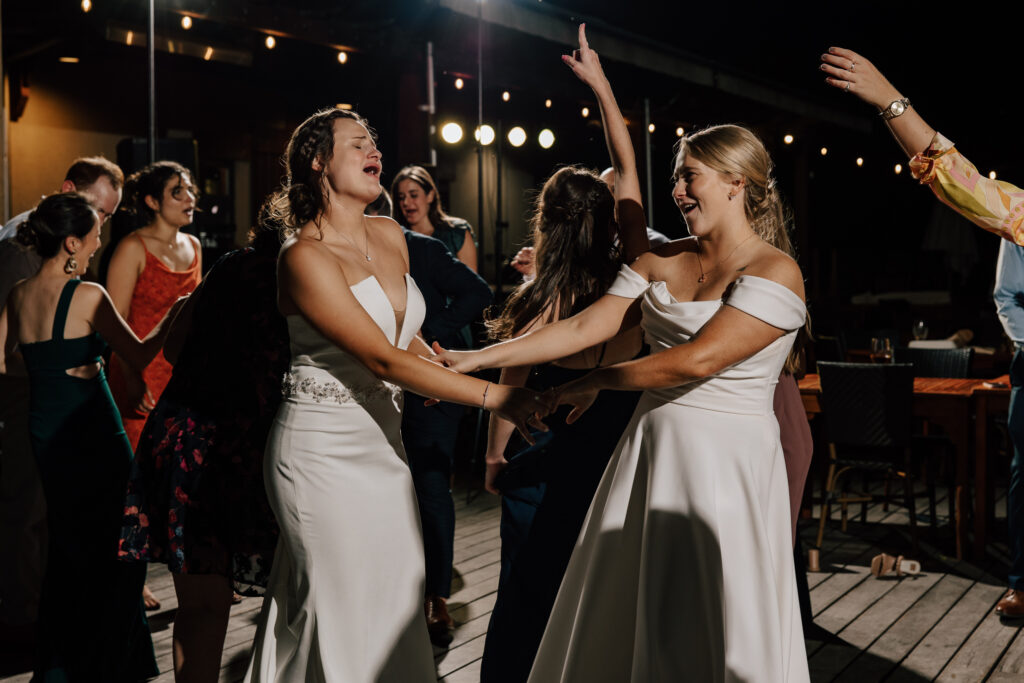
576 259
67 214
150 182
303 194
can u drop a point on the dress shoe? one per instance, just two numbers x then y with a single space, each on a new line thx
439 622
1012 605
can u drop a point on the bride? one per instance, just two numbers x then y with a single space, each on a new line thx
346 589
683 570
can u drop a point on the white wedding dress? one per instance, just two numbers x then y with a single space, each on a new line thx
345 601
684 568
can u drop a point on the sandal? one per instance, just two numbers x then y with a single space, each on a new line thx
883 565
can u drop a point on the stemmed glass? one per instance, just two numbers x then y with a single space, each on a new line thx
920 330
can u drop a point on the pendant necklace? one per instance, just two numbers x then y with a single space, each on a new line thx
703 273
366 241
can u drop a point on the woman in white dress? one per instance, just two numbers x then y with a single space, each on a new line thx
346 589
684 568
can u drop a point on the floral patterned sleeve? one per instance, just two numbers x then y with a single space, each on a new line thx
994 205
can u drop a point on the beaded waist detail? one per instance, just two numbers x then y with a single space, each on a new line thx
332 391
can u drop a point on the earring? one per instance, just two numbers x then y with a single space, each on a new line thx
71 265
731 196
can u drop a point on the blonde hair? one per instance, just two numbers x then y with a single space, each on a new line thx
737 151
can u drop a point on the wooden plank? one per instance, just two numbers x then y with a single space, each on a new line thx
458 657
1012 662
468 674
931 654
978 656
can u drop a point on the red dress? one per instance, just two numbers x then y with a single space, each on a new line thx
156 290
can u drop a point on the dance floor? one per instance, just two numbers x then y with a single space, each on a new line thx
936 626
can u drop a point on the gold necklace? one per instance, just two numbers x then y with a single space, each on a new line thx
703 274
366 241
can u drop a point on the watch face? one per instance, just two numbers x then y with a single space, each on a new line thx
897 108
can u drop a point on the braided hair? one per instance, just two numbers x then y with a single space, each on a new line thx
576 259
303 194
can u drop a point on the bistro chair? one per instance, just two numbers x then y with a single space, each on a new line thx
937 362
867 419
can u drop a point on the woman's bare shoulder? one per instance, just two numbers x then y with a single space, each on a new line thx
772 264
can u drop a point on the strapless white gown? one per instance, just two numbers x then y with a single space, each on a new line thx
345 600
684 568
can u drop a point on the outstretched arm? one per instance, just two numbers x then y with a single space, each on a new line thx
629 210
853 73
106 320
310 279
995 205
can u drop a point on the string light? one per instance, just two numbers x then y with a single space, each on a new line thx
129 38
898 168
86 5
860 161
342 57
547 104
459 83
451 132
546 138
68 60
680 132
992 175
186 22
484 135
585 112
505 96
650 127
208 55
788 139
517 136
270 42
824 151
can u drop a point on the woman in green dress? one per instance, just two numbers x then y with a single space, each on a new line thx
92 626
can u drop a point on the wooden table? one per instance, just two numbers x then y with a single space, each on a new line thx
962 408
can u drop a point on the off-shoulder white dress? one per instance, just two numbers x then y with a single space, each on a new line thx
684 568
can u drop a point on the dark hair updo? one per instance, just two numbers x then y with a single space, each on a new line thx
150 182
303 194
68 214
576 258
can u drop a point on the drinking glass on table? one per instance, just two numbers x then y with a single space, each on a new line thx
920 330
881 350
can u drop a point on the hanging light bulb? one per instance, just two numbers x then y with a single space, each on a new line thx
451 132
484 135
459 83
506 96
517 136
186 22
680 132
547 104
270 42
585 112
650 128
897 169
788 139
824 151
86 5
546 138
860 161
342 57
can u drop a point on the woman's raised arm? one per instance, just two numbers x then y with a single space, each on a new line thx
629 209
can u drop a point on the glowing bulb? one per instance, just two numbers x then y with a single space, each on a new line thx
208 55
459 83
788 139
86 5
992 175
68 60
186 22
650 128
824 151
898 168
270 42
129 38
860 161
680 132
546 138
342 57
505 96
547 104
585 112
517 136
451 133
484 134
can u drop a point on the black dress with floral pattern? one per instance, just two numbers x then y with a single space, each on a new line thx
196 499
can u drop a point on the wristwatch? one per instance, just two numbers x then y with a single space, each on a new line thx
895 108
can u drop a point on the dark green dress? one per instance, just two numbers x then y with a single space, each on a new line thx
92 625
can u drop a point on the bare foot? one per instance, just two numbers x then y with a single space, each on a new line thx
149 600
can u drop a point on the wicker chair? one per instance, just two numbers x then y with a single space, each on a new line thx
937 362
867 420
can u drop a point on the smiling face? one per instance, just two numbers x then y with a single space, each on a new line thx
702 194
103 197
355 164
84 247
414 202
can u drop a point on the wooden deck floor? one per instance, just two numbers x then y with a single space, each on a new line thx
937 626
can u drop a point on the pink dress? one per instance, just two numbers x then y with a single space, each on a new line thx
156 290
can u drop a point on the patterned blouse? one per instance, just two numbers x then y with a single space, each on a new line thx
995 205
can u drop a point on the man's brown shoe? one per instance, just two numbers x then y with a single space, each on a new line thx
1012 605
439 622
